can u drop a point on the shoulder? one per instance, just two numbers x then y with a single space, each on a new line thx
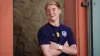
65 27
44 27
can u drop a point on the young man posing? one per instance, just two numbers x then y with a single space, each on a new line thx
56 39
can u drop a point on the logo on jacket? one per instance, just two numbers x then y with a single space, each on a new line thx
64 33
58 34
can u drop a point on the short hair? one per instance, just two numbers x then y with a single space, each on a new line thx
52 3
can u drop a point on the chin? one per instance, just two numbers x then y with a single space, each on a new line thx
52 19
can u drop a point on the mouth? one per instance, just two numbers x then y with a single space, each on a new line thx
52 15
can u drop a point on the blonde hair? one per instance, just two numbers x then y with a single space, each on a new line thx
52 3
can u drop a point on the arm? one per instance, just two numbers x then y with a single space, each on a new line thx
69 49
47 51
66 48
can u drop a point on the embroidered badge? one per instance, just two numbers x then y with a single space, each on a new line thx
53 34
64 33
58 35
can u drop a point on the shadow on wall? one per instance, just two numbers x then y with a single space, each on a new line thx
29 16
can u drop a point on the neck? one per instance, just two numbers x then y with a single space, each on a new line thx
55 23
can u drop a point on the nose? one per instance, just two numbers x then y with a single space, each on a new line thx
51 12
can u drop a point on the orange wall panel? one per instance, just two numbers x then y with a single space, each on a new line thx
6 28
76 18
83 38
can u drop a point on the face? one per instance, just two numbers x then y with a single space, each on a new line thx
53 12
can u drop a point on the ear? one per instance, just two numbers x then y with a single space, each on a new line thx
60 11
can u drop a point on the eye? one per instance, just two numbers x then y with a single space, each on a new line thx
47 10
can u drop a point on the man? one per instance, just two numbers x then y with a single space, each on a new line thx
56 39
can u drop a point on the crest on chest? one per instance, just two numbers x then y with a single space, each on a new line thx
64 33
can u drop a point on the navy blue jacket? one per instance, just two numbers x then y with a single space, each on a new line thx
47 33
